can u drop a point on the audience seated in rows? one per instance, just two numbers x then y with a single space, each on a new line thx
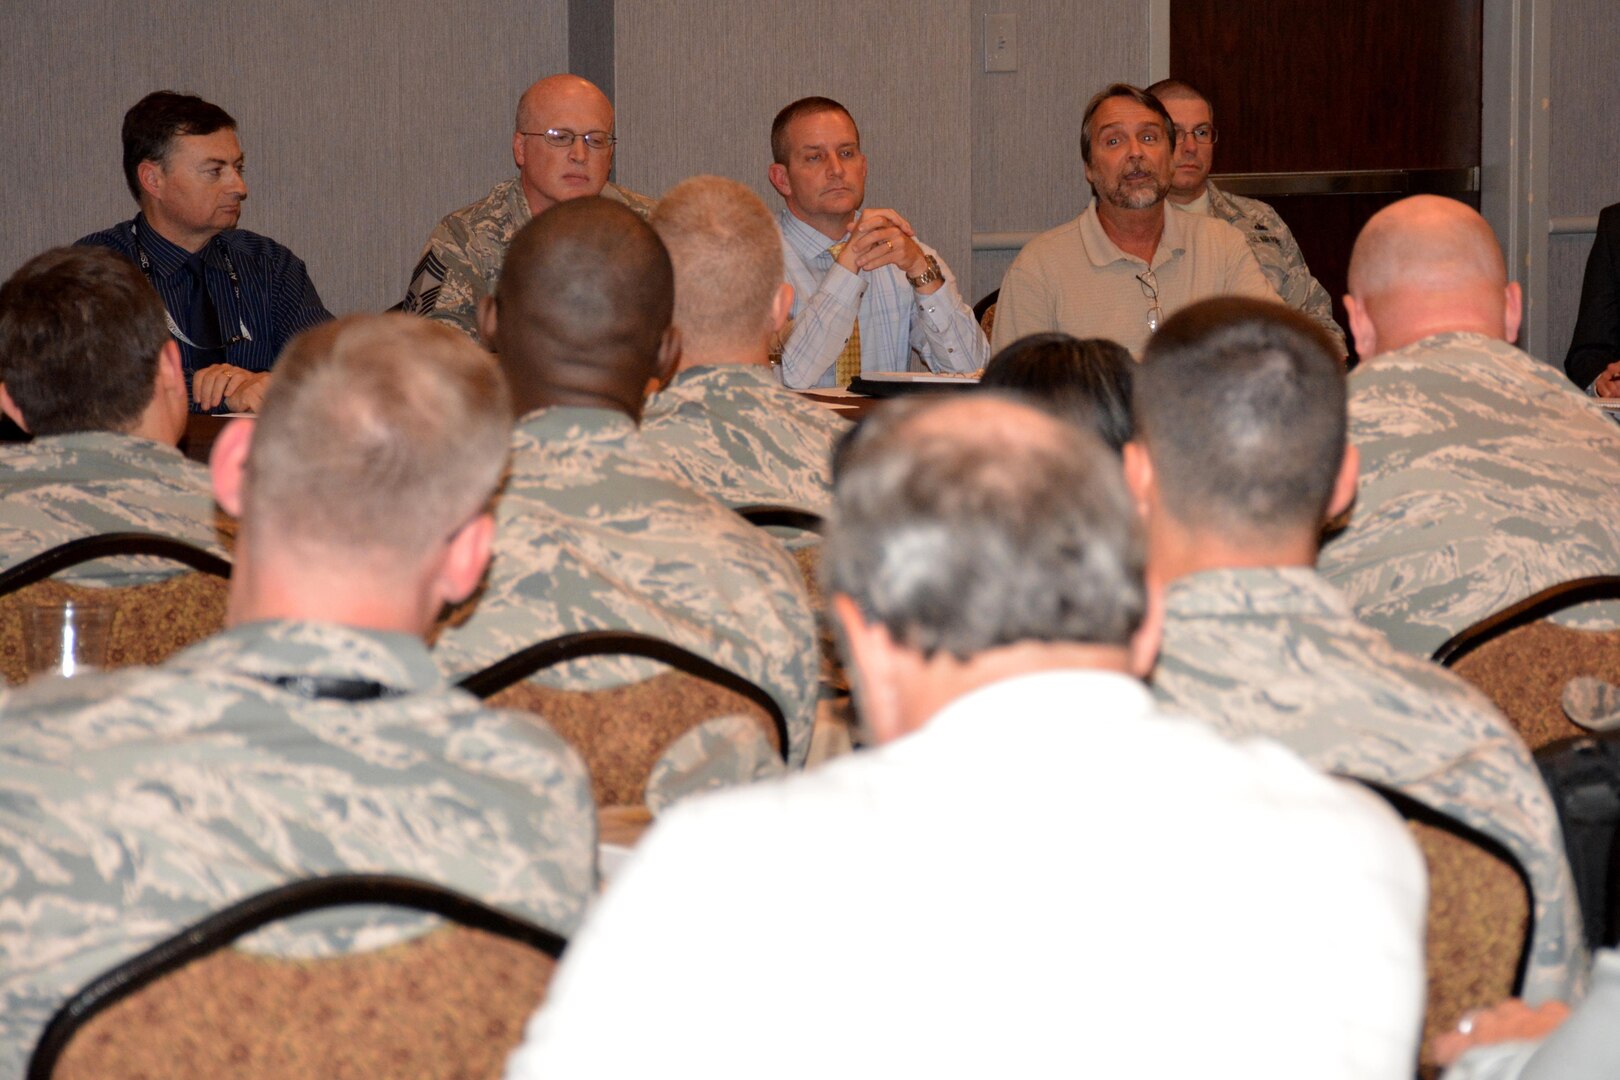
234 298
725 424
562 145
594 532
88 366
1127 262
1240 458
1088 382
995 890
1485 476
314 735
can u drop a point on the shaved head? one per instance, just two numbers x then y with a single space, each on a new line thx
554 91
1428 265
1426 242
727 254
581 314
1176 90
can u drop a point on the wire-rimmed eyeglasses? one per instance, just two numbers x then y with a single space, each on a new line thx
561 137
1203 133
1150 289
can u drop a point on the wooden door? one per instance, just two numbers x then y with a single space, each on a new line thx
1331 111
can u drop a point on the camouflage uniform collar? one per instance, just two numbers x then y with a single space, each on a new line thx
108 441
1437 342
747 374
1453 350
510 194
1220 203
1295 591
289 647
516 203
554 423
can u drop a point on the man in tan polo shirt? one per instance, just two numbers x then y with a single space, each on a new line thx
1121 268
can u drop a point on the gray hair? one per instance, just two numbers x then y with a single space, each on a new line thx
970 524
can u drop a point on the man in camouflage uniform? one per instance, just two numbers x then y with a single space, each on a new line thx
986 568
1268 235
314 735
1241 455
1485 476
88 366
593 531
463 257
725 423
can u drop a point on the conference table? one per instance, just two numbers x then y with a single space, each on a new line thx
201 431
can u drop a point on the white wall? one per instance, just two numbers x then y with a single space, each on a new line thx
698 83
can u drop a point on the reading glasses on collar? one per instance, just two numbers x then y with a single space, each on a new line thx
561 137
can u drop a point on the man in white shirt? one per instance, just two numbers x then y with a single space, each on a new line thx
1035 871
867 293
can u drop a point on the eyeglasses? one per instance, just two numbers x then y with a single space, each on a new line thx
1203 134
1150 289
561 137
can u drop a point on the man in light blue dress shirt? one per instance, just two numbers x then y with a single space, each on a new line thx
882 283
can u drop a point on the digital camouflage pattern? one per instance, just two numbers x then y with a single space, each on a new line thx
718 753
1277 652
462 259
593 533
134 803
1279 256
1485 478
59 488
736 433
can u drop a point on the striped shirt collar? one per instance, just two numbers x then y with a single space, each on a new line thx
809 242
167 258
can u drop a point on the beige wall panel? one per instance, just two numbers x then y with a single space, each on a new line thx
1027 172
362 123
698 82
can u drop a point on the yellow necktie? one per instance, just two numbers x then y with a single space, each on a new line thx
849 361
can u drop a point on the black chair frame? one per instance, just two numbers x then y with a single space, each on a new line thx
1411 810
245 916
109 545
788 517
577 646
1531 608
984 303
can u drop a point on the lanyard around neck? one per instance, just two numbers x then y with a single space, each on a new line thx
242 333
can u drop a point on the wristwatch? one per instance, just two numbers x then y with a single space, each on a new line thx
933 273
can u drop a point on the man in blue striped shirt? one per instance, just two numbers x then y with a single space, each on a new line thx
867 294
233 298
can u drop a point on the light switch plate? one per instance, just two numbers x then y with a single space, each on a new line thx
1001 43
